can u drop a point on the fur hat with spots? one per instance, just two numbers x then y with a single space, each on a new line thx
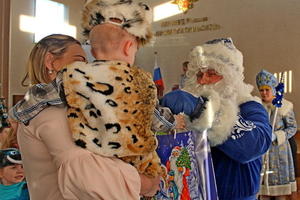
136 18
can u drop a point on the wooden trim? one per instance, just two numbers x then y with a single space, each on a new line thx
4 47
17 98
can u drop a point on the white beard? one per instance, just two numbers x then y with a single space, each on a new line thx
221 111
224 97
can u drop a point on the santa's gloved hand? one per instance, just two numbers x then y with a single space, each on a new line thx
180 101
200 107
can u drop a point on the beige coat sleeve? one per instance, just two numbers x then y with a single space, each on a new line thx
82 174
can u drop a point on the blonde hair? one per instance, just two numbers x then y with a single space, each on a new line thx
264 87
56 44
10 141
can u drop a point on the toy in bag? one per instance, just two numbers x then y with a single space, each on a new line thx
187 167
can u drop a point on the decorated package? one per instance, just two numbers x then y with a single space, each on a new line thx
187 169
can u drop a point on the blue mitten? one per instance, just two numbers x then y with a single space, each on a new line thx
180 101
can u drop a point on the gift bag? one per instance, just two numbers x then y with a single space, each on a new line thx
187 167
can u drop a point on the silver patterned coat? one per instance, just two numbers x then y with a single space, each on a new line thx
279 175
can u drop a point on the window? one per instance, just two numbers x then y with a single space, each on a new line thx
51 17
165 10
287 78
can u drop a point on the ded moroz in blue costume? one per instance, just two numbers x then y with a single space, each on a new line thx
238 126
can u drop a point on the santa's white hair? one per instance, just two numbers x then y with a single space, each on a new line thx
222 56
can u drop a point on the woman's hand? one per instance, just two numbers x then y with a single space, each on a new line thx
149 186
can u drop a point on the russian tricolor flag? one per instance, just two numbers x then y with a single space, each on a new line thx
157 77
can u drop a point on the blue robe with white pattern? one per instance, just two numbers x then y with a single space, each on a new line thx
238 160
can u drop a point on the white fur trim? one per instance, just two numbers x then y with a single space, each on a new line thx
278 190
219 117
222 53
256 99
281 137
286 107
247 98
207 117
225 119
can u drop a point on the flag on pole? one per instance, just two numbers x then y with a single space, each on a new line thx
157 77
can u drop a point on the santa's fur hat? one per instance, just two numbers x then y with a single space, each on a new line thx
222 56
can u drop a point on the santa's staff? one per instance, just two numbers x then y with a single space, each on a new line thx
277 101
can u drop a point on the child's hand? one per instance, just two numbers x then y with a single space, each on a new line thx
180 122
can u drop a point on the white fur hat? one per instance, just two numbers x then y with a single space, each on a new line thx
136 18
217 54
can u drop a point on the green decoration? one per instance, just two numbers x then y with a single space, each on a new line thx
184 159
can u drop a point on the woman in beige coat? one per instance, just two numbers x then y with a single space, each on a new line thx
55 167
